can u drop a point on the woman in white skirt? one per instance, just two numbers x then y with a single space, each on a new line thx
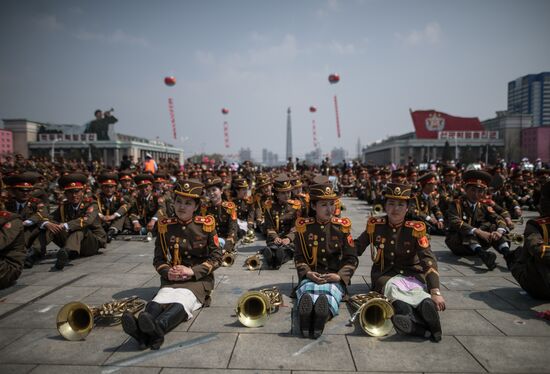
187 252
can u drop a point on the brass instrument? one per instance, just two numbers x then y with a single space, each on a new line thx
377 209
249 237
253 262
519 220
374 311
253 307
75 320
515 238
228 258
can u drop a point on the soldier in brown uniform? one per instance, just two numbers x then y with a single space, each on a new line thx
112 206
530 264
280 216
325 261
224 212
74 226
473 225
12 248
31 210
148 207
424 207
404 268
187 252
245 207
262 193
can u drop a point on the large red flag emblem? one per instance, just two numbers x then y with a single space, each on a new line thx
427 123
435 122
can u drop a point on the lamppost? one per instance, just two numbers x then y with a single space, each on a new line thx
53 148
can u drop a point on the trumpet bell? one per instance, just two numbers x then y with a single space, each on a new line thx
377 209
228 259
74 321
253 309
253 262
374 317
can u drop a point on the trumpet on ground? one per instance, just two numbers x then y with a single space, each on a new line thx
75 320
374 311
254 307
228 258
514 238
253 262
249 237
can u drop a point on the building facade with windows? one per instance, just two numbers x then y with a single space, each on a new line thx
6 143
530 94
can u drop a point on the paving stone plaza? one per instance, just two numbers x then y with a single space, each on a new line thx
490 324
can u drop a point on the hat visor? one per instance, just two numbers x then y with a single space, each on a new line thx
329 197
73 188
397 197
284 189
189 195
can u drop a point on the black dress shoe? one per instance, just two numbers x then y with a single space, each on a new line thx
404 325
489 259
429 314
305 311
130 327
321 314
62 259
268 256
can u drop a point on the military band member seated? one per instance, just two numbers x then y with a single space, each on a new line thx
112 206
224 212
325 261
12 248
148 207
280 216
530 264
187 252
262 193
244 205
424 208
74 226
473 225
404 268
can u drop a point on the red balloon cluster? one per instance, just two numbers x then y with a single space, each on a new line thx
334 78
312 109
170 81
225 110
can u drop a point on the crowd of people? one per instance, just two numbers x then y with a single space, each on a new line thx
199 213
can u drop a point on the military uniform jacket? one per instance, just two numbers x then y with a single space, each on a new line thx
245 210
225 215
34 210
12 247
447 194
325 248
423 206
280 219
117 204
401 250
462 219
193 244
83 216
145 208
259 207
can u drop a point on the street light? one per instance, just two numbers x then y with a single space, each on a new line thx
53 148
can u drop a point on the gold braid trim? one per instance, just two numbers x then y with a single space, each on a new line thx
209 266
432 270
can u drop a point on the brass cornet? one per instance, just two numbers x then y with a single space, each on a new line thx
75 320
228 258
515 238
253 307
253 262
374 311
377 209
249 237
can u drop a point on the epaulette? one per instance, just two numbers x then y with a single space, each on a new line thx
268 203
345 223
88 200
35 200
162 225
249 200
230 208
487 202
543 221
296 204
5 213
228 204
419 228
302 222
373 221
208 222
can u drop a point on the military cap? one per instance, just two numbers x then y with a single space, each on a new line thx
108 179
73 181
125 175
213 182
385 172
320 179
143 179
295 181
322 191
478 178
239 183
375 171
192 188
282 183
398 191
263 180
516 174
412 172
427 178
449 170
23 181
398 173
160 177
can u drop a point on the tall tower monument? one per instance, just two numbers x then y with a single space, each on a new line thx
288 135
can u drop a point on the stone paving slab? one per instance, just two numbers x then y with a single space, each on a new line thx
16 368
474 283
79 369
510 354
516 322
467 322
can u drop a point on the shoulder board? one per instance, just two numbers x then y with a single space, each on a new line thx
302 222
88 200
345 223
35 200
168 221
268 203
5 213
296 204
543 221
249 200
373 221
419 228
228 204
208 222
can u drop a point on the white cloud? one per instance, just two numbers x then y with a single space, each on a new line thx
48 22
116 37
431 34
329 7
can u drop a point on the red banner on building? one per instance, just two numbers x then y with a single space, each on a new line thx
428 123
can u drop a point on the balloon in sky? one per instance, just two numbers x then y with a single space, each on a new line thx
170 81
312 109
225 110
334 78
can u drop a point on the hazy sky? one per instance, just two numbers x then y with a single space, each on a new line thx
61 60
